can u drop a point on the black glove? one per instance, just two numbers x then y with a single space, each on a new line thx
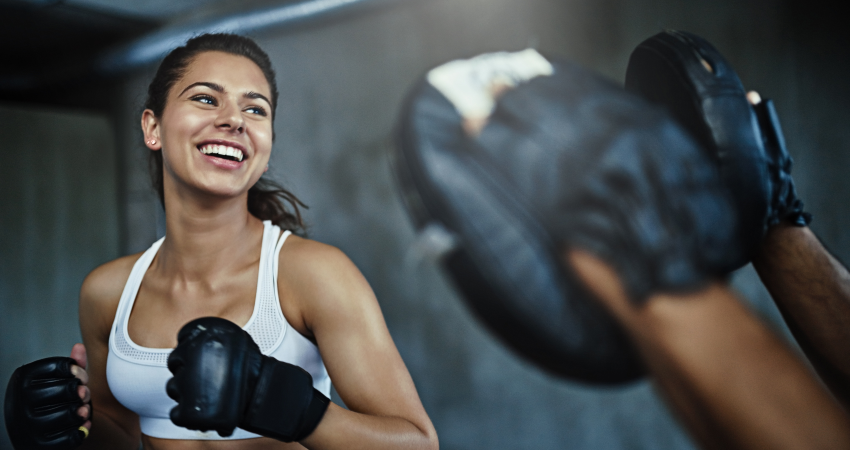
222 381
41 406
687 75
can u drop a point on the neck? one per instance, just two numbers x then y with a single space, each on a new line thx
208 236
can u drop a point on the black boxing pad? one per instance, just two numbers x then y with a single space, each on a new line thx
565 160
688 76
41 406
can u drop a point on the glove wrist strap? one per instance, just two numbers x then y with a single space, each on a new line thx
285 404
314 414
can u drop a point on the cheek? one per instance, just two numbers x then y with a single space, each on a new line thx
262 139
181 127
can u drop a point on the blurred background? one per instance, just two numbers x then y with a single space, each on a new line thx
75 191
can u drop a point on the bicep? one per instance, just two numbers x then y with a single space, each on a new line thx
342 313
96 313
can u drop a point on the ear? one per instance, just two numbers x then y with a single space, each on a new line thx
150 129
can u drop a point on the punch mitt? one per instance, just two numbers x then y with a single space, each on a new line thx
222 381
565 159
687 75
41 406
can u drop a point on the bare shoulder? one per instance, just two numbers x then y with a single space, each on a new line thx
320 280
311 260
101 292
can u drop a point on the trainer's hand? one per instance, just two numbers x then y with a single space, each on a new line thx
222 381
48 405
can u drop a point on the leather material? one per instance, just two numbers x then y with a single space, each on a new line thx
222 381
784 205
567 160
284 384
688 76
41 406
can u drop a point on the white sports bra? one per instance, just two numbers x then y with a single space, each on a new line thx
137 375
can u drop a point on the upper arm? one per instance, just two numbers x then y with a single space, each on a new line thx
99 297
340 311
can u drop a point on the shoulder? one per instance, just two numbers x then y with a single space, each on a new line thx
310 260
320 279
102 290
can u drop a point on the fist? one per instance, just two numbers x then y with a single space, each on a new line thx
215 366
47 405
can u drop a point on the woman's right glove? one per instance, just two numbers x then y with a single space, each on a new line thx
222 381
41 406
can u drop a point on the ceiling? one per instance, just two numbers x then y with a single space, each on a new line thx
147 10
48 47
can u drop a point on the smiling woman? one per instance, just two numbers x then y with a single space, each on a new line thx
227 332
266 200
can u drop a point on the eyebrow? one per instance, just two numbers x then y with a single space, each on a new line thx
219 88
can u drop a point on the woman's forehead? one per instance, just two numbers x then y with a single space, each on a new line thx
233 72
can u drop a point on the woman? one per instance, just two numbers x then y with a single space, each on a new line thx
209 121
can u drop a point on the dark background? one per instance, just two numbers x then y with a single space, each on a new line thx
74 190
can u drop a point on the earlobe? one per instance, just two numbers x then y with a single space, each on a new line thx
150 128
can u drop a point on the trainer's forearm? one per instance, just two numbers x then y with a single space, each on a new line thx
812 290
732 382
341 428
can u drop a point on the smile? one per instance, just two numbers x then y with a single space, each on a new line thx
222 151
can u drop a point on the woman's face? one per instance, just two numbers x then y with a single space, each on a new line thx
216 128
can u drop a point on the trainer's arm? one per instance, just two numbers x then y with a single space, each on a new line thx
113 426
812 290
730 380
340 312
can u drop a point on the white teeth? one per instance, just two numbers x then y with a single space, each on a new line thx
213 149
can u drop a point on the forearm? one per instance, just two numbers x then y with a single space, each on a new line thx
812 290
733 383
341 428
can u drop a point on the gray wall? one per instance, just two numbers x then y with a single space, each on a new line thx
58 222
341 85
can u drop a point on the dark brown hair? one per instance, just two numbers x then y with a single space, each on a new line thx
266 199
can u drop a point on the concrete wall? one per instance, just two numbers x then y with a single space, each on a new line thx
341 86
59 220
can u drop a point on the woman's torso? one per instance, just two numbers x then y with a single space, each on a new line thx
137 375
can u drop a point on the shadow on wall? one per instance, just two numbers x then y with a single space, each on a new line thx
58 213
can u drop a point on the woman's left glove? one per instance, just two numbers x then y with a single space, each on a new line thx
222 381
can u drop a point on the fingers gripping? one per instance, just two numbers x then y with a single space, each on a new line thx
42 400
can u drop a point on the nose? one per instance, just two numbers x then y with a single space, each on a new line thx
230 118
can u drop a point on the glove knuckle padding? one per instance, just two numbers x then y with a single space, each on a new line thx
211 375
222 380
669 69
564 159
41 406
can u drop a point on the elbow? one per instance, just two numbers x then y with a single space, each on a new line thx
429 441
